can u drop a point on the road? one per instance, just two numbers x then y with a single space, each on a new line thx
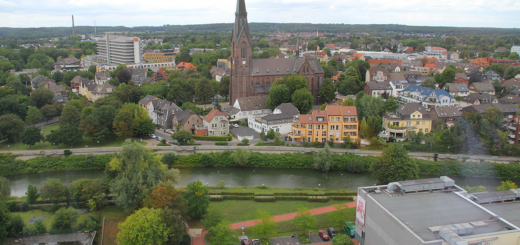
50 121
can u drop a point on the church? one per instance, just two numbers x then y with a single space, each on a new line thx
252 77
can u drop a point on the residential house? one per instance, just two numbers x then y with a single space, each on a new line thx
482 88
408 50
357 56
56 89
335 78
280 123
478 99
398 83
428 97
138 75
341 58
101 91
283 56
452 55
287 108
102 77
165 112
322 56
340 98
510 99
457 89
332 124
159 75
86 87
187 120
184 66
67 64
395 67
461 78
480 62
36 81
378 89
217 123
251 106
219 73
377 75
76 82
448 114
143 103
492 75
511 83
411 117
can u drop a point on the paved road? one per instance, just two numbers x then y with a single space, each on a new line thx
50 121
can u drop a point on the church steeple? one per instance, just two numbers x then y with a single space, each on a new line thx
241 25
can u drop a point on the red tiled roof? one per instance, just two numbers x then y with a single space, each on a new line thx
213 113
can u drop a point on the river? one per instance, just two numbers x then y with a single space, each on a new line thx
289 178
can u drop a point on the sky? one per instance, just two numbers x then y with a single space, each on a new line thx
461 13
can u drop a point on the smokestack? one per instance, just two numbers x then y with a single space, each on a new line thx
73 31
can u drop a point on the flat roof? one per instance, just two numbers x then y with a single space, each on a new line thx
420 181
424 210
509 211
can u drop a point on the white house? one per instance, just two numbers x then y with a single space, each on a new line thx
428 97
251 106
280 123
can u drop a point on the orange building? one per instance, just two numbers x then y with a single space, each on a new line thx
184 66
332 124
480 62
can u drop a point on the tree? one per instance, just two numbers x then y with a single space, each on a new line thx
212 218
136 173
338 217
70 135
448 75
4 222
32 194
507 185
342 239
221 234
304 220
183 137
55 137
33 116
11 127
391 105
513 56
124 123
70 116
177 229
264 224
53 190
294 82
64 220
350 102
303 100
196 195
369 106
40 227
323 160
224 86
16 226
124 76
164 195
270 134
144 124
83 190
146 226
394 164
240 157
278 94
168 158
327 90
41 97
31 136
5 190
429 83
203 89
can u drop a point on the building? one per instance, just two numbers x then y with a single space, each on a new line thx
165 55
67 64
187 120
102 77
515 49
218 73
40 79
86 87
163 65
164 113
480 62
223 63
332 124
159 75
184 66
102 90
378 89
492 75
482 88
511 83
478 99
436 52
377 75
428 97
92 60
217 123
322 55
461 78
280 123
287 108
411 117
115 50
251 106
56 89
251 77
435 211
456 89
447 114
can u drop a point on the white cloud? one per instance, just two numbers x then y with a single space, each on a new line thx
478 13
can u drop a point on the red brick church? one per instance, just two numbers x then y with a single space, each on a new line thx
250 77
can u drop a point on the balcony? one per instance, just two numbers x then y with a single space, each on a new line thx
512 136
293 135
512 127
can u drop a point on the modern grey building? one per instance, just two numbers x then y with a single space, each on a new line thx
435 212
114 50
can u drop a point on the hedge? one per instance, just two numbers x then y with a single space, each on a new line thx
341 198
291 194
213 138
312 199
265 199
292 198
221 143
348 193
219 198
237 193
238 197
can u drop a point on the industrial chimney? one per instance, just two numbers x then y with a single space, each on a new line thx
73 31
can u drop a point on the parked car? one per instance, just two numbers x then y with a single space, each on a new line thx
169 131
256 242
244 240
152 136
235 125
323 235
332 233
350 229
158 138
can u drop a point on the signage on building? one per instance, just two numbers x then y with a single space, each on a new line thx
360 210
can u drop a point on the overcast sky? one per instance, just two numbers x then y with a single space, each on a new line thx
462 13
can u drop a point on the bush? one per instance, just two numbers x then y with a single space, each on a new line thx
163 141
355 167
245 141
67 153
169 158
228 193
24 206
341 198
90 158
292 198
291 194
92 223
221 143
54 208
13 206
217 198
205 160
262 187
222 183
213 138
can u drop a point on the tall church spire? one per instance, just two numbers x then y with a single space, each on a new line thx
241 24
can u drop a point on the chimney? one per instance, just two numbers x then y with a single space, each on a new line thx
73 31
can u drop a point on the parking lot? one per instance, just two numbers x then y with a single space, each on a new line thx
315 238
285 241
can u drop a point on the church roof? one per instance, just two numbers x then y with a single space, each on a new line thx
266 67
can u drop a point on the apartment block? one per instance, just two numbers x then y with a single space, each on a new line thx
115 50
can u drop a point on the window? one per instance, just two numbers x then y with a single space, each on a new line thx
257 81
424 123
337 119
308 139
324 133
417 123
331 134
319 119
332 119
408 124
420 130
310 133
310 126
337 127
337 134
331 127
244 50
317 133
426 130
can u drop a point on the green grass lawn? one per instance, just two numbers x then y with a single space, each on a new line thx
271 190
244 210
26 216
86 141
113 216
286 228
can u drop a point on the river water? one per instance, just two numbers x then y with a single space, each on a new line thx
289 178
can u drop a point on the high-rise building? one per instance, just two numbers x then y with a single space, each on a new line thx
116 50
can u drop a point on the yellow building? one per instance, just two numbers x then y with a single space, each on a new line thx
412 117
224 63
332 124
161 56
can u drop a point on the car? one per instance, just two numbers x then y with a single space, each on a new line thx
256 242
158 138
323 235
235 125
152 136
332 233
350 229
244 240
